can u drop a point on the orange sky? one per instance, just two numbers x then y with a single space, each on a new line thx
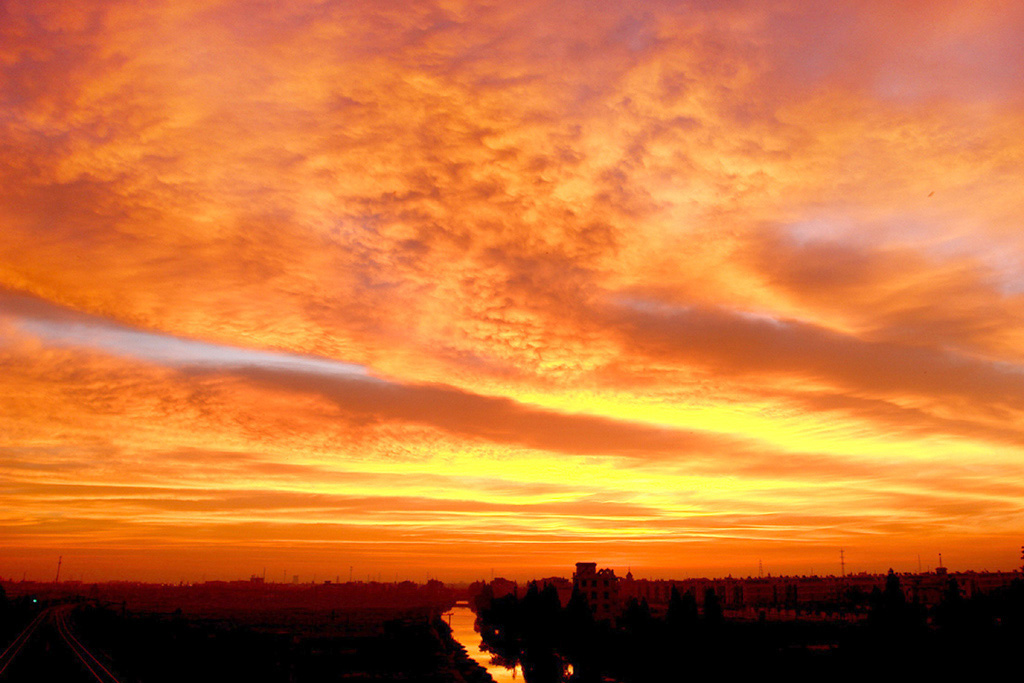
431 288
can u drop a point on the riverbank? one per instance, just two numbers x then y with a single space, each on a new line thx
464 667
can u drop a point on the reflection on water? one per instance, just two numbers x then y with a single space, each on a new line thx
462 619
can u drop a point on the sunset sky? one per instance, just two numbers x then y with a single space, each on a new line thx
435 288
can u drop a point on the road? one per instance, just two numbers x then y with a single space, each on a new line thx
48 649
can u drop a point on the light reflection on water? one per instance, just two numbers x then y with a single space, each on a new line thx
462 619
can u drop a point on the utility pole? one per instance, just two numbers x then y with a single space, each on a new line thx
59 559
842 563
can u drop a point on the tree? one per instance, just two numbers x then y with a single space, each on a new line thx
950 611
712 608
481 595
579 640
892 616
892 596
636 617
538 618
577 614
500 630
682 611
951 595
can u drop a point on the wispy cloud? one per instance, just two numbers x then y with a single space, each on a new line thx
578 252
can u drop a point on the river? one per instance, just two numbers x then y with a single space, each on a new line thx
462 619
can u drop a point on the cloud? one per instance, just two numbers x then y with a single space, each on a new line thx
734 343
621 255
364 399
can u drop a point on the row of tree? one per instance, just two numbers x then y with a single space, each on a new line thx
553 643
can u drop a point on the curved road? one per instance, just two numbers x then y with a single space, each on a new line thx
48 649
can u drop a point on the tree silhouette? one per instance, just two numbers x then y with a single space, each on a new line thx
892 596
712 608
481 596
682 611
501 630
580 639
636 617
895 621
539 616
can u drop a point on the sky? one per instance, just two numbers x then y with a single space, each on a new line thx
445 289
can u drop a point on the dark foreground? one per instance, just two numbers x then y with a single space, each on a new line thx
981 638
79 639
396 632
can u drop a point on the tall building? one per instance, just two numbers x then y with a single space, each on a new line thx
600 588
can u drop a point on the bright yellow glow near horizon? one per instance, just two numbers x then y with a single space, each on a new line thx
434 288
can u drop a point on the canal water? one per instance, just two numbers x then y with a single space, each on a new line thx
462 619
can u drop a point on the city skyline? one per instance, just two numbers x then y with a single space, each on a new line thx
936 575
431 288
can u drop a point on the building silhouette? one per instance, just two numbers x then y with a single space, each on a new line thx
599 587
607 594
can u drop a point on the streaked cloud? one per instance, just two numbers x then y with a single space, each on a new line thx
402 277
